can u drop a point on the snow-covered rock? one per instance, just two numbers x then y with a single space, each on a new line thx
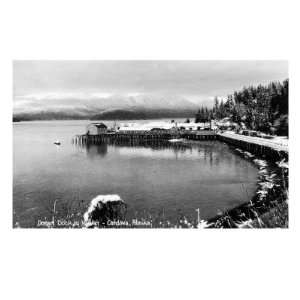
102 209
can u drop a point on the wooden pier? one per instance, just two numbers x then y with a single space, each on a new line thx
259 146
270 149
144 135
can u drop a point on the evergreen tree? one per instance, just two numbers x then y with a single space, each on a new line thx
263 108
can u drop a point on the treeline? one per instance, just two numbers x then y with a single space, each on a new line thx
262 108
40 116
106 115
142 114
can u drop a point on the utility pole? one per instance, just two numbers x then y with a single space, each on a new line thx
54 212
198 216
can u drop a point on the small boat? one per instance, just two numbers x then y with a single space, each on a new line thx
57 143
176 140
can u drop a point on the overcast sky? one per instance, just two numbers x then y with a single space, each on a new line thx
198 81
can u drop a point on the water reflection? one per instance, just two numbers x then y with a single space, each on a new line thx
94 151
211 152
135 148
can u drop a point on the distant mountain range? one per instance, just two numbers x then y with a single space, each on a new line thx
111 108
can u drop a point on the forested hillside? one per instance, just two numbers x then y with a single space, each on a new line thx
262 108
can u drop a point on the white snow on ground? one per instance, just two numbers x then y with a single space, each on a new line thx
283 164
203 224
281 140
248 154
147 126
266 185
160 125
260 162
245 224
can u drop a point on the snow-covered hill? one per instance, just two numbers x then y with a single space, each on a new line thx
97 104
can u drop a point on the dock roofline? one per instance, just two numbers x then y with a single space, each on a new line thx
98 124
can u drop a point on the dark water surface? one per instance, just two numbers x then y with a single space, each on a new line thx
207 175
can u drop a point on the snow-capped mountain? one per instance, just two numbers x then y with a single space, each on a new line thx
95 105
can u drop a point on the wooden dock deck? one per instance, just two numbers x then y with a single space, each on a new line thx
273 148
273 143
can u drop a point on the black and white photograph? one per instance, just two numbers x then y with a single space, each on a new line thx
150 144
149 149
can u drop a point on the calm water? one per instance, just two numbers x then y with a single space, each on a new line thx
207 175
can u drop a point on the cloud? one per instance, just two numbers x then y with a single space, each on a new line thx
80 83
62 96
98 101
100 95
133 94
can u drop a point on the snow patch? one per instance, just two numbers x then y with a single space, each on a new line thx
100 206
261 163
283 164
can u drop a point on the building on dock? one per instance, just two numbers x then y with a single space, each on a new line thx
96 129
194 126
